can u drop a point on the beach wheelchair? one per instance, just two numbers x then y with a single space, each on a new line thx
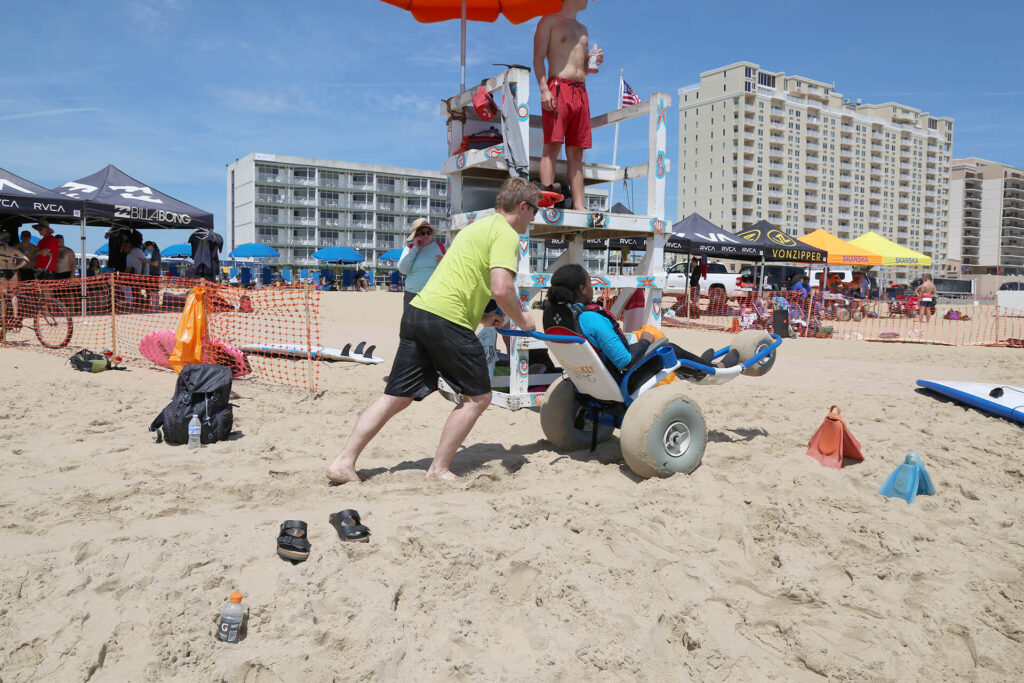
663 431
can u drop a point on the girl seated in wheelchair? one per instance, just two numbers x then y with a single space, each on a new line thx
571 306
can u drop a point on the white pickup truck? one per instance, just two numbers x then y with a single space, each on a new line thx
718 278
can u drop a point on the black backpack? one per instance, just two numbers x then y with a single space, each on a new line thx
89 361
201 390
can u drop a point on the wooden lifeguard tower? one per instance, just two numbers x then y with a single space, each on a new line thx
476 174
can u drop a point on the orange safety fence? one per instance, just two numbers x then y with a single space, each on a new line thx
898 319
261 333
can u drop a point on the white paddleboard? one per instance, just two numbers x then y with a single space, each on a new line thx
999 399
360 354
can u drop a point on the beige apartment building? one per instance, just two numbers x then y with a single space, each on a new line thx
986 219
757 144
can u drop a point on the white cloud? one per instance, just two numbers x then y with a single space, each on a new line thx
47 112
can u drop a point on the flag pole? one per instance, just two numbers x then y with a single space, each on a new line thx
615 146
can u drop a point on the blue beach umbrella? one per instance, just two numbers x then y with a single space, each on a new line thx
338 255
392 255
253 250
177 251
103 250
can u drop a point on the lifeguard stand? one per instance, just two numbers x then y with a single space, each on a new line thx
476 174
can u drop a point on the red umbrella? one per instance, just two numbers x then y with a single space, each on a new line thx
516 11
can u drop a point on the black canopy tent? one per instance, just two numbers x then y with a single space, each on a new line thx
778 246
114 199
697 235
22 201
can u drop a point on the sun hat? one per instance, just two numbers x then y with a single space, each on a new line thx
416 225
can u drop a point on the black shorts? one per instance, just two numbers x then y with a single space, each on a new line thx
61 276
928 304
430 346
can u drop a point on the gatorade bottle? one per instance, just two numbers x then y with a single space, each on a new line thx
231 619
193 432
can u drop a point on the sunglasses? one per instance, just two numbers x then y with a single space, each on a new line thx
532 206
424 233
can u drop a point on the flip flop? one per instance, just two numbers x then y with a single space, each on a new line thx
349 527
292 543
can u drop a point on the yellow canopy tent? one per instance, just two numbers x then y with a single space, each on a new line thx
892 254
840 252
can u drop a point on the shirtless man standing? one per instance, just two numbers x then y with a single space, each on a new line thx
29 250
564 43
65 260
926 290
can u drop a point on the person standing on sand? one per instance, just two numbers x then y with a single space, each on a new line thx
926 290
438 330
565 44
65 260
419 259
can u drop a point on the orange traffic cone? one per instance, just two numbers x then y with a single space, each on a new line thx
833 441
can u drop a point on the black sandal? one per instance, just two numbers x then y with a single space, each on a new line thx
292 543
349 527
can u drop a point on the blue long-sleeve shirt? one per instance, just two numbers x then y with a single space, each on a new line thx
600 332
417 264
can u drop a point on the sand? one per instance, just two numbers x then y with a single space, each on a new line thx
119 553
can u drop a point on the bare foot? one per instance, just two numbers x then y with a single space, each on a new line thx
444 475
342 475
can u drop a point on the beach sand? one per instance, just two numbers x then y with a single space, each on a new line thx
119 553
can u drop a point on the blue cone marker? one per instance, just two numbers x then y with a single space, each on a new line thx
908 480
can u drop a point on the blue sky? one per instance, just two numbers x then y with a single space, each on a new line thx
172 90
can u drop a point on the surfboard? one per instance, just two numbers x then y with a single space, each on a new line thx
360 354
999 399
157 347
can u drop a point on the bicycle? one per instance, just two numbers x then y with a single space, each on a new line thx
51 320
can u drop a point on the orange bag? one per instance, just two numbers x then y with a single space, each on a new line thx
833 441
188 338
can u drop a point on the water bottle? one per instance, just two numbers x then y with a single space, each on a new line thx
231 619
193 432
592 59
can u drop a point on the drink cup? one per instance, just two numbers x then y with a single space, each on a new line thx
592 59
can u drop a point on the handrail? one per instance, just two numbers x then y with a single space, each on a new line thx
557 338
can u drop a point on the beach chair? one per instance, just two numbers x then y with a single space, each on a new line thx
286 275
173 271
232 273
303 274
266 276
246 276
763 319
348 279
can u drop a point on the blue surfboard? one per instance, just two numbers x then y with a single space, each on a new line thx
999 399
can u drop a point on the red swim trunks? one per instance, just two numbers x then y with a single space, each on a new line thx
569 122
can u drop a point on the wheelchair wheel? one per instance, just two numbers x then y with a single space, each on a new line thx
558 419
663 433
748 344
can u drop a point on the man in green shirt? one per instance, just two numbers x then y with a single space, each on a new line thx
437 336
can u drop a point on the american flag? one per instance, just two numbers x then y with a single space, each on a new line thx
628 95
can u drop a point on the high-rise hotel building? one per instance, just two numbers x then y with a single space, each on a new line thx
986 220
299 204
757 144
